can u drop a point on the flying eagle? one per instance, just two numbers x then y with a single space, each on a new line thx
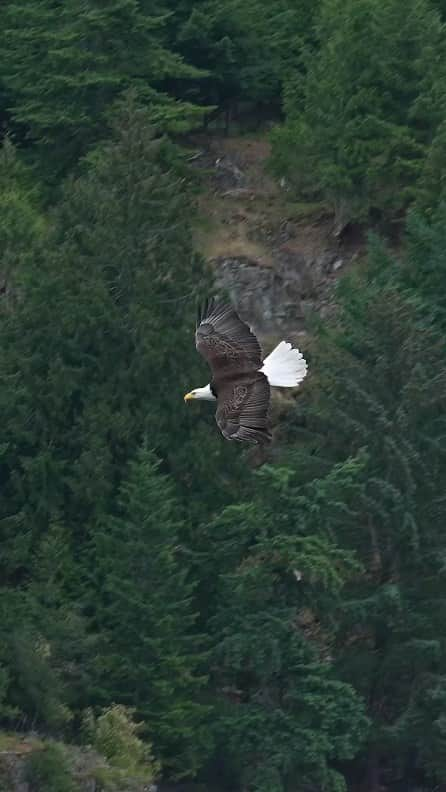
240 381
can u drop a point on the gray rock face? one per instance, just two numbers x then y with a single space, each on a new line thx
12 772
277 299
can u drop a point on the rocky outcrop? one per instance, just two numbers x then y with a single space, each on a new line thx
13 772
278 298
278 260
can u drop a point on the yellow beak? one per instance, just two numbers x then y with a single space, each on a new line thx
188 396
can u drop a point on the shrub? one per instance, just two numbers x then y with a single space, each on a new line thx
114 734
50 770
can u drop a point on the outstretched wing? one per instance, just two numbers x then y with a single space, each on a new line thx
242 410
225 341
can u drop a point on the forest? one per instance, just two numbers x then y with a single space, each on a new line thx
173 614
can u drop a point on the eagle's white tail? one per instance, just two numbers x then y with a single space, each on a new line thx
285 367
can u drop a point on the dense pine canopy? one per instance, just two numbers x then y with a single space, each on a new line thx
162 597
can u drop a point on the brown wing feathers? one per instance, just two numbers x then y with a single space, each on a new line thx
235 357
224 340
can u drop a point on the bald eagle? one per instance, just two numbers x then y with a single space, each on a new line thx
240 381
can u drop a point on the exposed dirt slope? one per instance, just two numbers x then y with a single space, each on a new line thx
279 259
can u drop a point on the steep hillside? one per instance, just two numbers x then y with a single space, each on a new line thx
277 258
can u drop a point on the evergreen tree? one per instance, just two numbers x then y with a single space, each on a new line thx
100 348
245 49
21 222
360 121
63 66
381 386
423 268
150 658
284 714
44 641
97 353
431 191
441 6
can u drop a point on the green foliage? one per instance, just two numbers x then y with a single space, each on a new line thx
431 191
85 377
361 118
424 267
43 643
246 48
49 770
45 647
114 734
285 623
381 386
20 220
150 655
284 714
4 685
99 352
63 66
441 6
38 683
120 262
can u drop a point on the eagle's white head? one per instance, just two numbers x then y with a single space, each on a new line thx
200 393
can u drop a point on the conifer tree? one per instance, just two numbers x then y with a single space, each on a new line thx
284 714
21 222
361 119
150 658
97 354
381 387
245 49
44 640
100 348
63 66
21 228
423 267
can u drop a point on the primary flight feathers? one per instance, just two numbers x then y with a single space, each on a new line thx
240 381
221 335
